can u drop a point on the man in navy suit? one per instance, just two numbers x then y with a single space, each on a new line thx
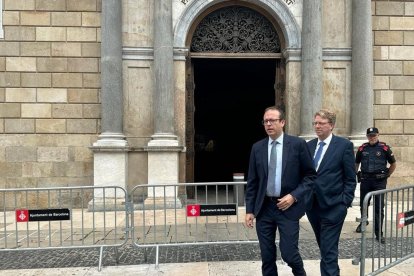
279 177
333 190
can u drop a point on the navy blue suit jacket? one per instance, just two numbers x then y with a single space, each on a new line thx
336 179
298 175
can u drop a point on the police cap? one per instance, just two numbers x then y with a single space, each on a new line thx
372 130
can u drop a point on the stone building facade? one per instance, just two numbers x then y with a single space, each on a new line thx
110 92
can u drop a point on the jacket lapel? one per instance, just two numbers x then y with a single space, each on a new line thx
285 154
264 156
328 153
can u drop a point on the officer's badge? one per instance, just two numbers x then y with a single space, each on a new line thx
378 153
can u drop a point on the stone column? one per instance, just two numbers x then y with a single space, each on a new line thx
361 76
362 70
311 72
163 149
110 151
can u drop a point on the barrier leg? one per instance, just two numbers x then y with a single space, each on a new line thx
157 248
100 258
116 255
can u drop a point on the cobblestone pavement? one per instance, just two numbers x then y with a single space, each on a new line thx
129 255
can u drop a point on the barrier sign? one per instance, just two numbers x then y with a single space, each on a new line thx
196 210
405 218
24 215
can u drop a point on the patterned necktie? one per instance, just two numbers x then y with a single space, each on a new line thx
318 154
271 179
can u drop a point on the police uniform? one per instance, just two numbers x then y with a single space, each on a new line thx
374 173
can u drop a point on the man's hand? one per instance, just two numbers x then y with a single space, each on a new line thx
285 202
249 220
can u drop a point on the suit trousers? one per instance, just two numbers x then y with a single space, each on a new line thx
268 221
327 226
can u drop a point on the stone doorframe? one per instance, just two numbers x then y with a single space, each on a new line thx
291 46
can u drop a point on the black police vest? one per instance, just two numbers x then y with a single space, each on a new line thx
373 159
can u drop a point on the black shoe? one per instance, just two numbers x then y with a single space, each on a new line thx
381 240
358 230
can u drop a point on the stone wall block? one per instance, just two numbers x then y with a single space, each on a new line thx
401 112
51 5
81 34
381 83
380 23
409 8
9 79
35 169
71 169
402 23
11 18
36 110
408 67
408 38
52 154
91 49
9 48
409 126
36 79
9 110
380 53
389 97
52 95
67 80
32 18
21 64
91 80
91 19
82 95
52 64
1 131
37 49
21 154
17 33
382 111
50 33
82 126
19 126
409 97
390 126
92 111
11 169
388 37
83 65
21 95
19 5
66 19
402 82
2 64
388 67
389 8
67 111
65 49
80 154
50 125
81 5
401 52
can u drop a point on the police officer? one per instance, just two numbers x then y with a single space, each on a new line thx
373 157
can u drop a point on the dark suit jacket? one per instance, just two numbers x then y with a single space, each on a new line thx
336 179
298 175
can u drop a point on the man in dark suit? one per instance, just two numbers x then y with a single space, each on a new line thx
333 190
279 177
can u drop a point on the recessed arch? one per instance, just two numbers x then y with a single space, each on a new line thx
278 11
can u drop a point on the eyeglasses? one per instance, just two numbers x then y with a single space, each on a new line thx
319 123
271 121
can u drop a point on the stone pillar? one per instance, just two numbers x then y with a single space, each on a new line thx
361 76
163 149
311 72
110 151
362 70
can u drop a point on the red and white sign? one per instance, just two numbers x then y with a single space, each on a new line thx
22 215
193 210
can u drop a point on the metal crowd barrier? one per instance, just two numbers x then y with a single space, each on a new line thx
63 218
210 215
397 227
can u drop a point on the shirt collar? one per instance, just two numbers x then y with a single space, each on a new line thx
327 140
279 139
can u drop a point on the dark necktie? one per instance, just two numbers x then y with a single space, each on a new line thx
271 179
318 154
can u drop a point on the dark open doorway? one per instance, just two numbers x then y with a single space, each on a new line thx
229 98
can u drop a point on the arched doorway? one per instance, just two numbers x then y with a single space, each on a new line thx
234 71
